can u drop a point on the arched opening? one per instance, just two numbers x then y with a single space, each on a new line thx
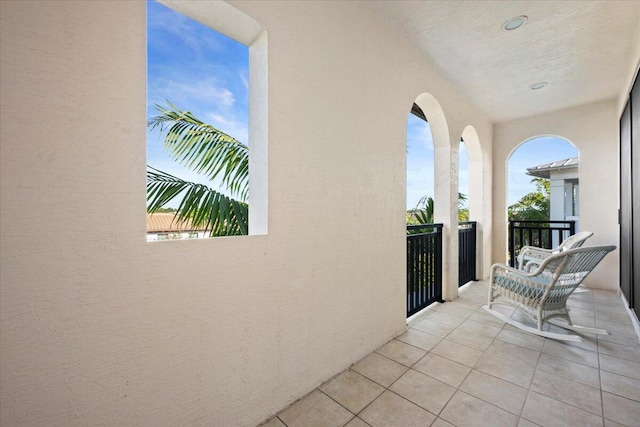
463 182
200 183
420 168
543 201
428 201
471 185
466 229
443 189
475 189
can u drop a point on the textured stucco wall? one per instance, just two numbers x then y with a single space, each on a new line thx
100 327
632 71
593 129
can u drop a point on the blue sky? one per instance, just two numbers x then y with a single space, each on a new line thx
198 70
535 152
205 72
420 162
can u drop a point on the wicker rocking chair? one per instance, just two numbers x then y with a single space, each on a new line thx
531 257
542 294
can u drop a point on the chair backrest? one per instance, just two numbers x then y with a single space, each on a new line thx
564 272
569 268
573 241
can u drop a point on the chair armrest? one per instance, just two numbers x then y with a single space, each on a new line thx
505 269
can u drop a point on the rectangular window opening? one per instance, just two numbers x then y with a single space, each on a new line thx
204 171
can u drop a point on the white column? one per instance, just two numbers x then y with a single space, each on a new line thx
557 212
446 212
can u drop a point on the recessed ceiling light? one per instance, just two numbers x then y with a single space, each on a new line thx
538 85
515 23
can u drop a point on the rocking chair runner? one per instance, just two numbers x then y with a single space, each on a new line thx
531 256
542 294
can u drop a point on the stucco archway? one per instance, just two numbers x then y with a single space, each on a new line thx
550 157
445 189
474 152
477 199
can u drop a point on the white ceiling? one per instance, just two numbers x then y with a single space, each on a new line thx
583 49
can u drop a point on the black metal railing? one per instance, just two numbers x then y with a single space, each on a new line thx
541 234
424 266
466 252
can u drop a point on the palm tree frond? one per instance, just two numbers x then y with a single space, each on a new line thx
424 211
203 148
201 205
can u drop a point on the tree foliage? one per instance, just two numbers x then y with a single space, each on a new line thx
423 213
535 205
210 152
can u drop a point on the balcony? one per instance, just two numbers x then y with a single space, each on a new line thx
457 365
99 327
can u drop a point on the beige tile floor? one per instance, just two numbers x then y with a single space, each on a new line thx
458 366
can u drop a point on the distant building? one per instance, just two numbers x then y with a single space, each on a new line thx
564 177
165 226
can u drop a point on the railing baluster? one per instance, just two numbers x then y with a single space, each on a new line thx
420 283
424 266
545 231
415 272
466 252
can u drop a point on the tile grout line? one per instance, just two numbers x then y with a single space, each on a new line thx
540 352
493 340
472 368
536 368
519 415
599 367
345 408
526 397
435 379
599 379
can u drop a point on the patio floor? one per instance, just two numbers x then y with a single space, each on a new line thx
458 366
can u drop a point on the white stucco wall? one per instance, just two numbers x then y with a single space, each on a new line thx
593 129
100 327
632 71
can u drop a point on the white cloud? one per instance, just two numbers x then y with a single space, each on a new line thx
181 27
229 125
195 68
181 91
207 100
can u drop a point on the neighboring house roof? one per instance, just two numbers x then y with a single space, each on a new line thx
544 171
166 223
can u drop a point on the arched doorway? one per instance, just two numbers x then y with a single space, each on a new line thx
543 201
427 132
420 168
471 213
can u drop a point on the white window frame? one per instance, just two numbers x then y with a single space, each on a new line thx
235 24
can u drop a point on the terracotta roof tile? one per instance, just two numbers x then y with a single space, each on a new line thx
166 222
